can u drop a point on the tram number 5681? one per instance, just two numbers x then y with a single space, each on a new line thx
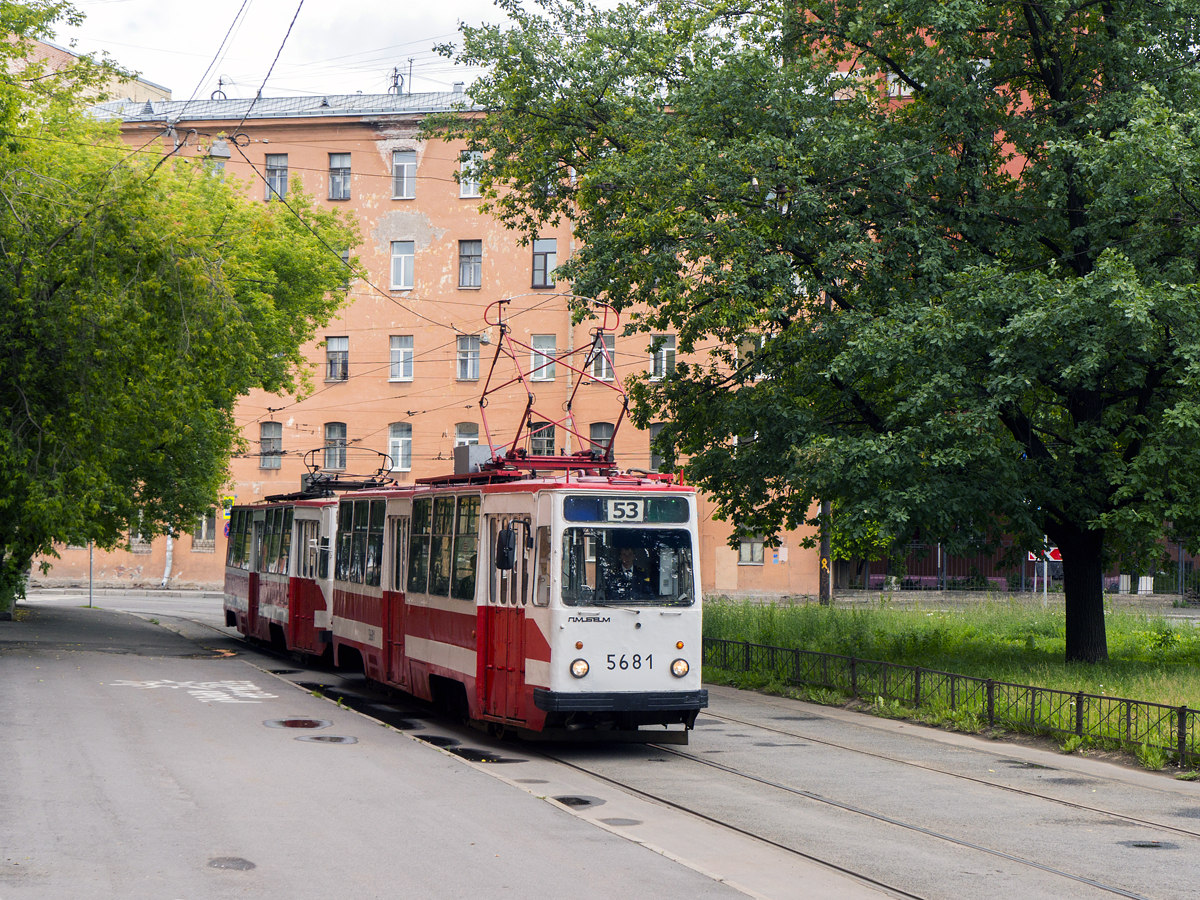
626 510
637 661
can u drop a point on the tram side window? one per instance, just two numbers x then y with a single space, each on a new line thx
271 541
358 548
233 550
418 552
441 547
341 567
399 544
466 548
247 541
285 541
374 566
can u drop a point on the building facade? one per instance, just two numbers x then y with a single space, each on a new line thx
397 375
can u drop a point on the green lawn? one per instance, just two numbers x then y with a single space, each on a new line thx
1151 658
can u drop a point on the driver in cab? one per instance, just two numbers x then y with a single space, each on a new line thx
626 580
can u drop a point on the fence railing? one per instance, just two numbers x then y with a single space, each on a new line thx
1174 729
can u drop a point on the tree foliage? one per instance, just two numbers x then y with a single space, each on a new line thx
141 298
935 261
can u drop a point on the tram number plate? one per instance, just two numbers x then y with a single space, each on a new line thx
626 510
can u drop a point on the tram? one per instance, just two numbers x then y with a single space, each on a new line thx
552 596
278 576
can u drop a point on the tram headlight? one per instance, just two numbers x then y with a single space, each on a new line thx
579 667
679 668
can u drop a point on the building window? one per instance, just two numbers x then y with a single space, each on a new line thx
337 358
541 363
270 445
339 176
403 254
468 357
602 362
466 434
468 174
750 551
400 446
541 439
656 460
404 174
401 358
277 175
545 258
470 264
601 434
335 445
662 363
204 538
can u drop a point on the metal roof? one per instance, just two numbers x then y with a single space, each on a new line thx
317 106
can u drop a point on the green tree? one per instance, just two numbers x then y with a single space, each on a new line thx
960 240
141 297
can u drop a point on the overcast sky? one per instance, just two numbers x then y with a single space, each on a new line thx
335 46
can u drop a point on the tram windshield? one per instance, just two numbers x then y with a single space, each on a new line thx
628 567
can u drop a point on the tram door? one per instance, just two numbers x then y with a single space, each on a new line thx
397 671
503 654
257 563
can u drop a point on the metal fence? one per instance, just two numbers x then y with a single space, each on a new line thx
930 567
1131 723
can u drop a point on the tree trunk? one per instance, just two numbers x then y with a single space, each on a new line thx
825 589
1083 586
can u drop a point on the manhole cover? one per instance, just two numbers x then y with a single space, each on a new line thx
328 738
1024 764
230 862
481 756
297 722
579 801
436 739
1150 845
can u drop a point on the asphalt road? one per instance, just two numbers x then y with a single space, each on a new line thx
138 764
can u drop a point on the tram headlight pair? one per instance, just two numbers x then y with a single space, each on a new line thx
579 667
679 668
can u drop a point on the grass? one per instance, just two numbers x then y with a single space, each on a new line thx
1151 658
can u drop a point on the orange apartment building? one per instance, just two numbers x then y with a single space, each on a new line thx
400 369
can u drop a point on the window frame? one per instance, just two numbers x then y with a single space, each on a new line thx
470 265
662 360
405 252
748 548
404 174
276 175
541 359
545 261
468 178
401 461
270 456
603 367
401 358
339 176
467 357
337 358
335 447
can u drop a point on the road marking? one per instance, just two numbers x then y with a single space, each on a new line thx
208 691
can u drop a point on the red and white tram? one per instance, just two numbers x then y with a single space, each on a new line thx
278 575
502 595
549 595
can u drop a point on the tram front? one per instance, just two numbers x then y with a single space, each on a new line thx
626 623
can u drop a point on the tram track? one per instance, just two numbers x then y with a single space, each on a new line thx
634 784
1035 795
